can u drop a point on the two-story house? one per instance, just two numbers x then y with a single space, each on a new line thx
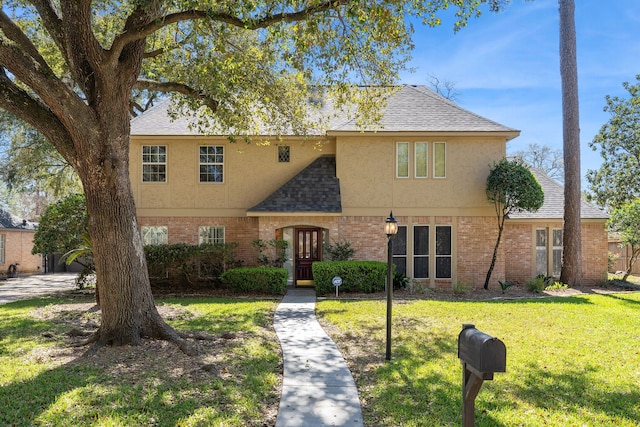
428 163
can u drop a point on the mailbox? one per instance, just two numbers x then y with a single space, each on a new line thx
482 352
481 355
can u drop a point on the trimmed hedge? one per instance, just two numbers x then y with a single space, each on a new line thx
271 280
357 276
182 264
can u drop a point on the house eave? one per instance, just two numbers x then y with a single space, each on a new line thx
297 214
508 135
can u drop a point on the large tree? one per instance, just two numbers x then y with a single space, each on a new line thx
571 273
617 180
544 158
511 187
68 68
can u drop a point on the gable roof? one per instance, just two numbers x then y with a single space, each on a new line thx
315 189
411 108
12 222
553 206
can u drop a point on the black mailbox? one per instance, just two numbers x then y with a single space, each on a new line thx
482 352
481 355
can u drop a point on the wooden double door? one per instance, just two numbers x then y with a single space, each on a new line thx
307 250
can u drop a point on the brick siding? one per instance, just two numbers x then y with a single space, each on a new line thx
18 245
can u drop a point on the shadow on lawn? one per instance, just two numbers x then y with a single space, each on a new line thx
123 389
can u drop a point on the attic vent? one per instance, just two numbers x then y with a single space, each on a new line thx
283 154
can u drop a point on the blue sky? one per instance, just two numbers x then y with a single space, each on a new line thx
505 66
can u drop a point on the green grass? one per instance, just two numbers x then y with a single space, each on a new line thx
35 390
571 361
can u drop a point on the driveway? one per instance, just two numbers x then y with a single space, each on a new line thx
32 286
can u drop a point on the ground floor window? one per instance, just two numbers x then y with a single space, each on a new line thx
443 252
421 251
211 234
400 249
154 234
2 244
544 247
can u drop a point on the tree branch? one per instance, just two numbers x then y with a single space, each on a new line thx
178 88
52 22
248 24
19 103
15 34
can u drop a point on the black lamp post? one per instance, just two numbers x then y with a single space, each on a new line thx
391 229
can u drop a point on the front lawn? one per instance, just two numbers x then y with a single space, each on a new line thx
571 361
44 382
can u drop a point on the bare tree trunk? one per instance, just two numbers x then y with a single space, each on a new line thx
495 253
572 251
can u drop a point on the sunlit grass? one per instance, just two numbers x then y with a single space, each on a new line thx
35 389
572 361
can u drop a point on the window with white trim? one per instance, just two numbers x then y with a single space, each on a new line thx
421 251
154 234
400 249
439 160
2 247
556 263
402 160
154 163
545 247
211 234
421 154
443 252
541 251
211 163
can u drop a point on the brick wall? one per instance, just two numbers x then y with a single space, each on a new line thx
18 245
476 238
241 230
594 253
518 243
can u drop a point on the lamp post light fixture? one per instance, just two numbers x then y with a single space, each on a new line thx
391 229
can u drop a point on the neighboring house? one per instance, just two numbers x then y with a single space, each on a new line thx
428 163
16 242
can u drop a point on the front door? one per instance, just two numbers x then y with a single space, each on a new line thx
308 249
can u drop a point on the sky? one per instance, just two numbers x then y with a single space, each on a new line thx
505 66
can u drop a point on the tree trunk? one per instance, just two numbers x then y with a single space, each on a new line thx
572 247
495 252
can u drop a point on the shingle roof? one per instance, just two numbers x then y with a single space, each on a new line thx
9 221
315 189
553 206
409 109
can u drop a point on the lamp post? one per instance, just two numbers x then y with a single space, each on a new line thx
390 228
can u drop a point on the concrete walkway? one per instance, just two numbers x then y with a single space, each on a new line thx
318 389
32 286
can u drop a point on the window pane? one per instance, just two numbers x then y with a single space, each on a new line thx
402 160
211 163
154 235
211 235
541 237
421 267
541 261
2 244
421 159
401 264
557 262
443 240
154 163
439 161
557 237
443 267
421 240
400 241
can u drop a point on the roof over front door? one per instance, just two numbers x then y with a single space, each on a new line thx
314 190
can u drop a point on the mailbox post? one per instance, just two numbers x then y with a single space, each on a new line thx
481 355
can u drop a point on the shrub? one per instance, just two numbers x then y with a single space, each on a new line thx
539 283
181 262
557 286
272 280
400 280
357 276
461 287
277 247
340 251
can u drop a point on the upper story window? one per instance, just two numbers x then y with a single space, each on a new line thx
402 160
211 234
211 163
154 234
154 163
284 154
412 160
439 160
